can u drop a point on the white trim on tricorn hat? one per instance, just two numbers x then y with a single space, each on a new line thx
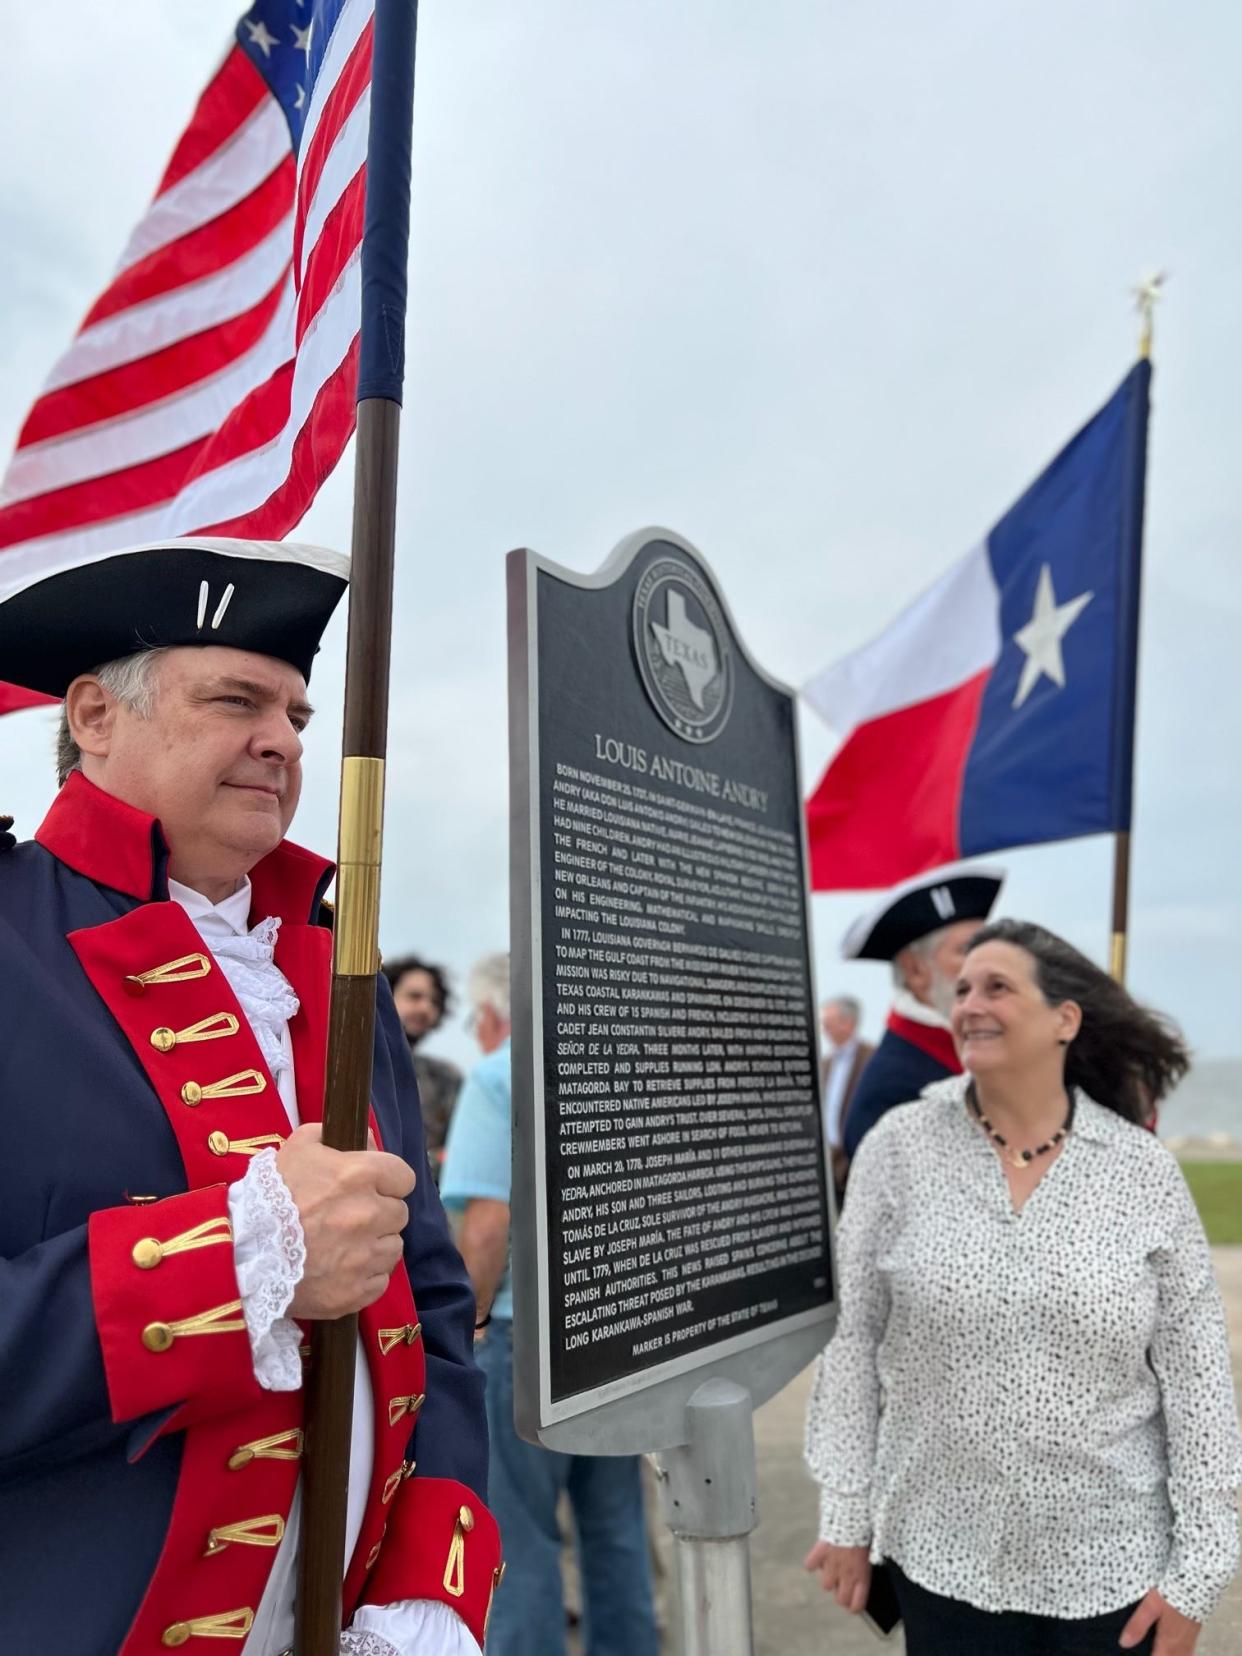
966 891
271 597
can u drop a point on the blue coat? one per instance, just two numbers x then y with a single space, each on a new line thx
132 1446
909 1057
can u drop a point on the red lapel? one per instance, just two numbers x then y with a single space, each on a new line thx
936 1043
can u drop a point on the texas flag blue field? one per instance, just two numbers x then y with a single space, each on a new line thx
998 709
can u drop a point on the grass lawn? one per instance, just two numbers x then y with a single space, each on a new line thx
1217 1188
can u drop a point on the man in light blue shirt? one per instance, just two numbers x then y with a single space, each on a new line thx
526 1481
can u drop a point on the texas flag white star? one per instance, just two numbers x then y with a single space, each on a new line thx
1042 635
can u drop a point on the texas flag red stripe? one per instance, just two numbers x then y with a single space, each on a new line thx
903 772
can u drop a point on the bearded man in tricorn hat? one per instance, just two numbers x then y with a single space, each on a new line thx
922 928
170 1222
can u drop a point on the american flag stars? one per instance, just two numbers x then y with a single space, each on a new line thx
282 38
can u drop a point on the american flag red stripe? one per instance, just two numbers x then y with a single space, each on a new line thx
201 252
232 94
211 386
149 380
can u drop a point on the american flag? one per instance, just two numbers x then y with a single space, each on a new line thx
211 386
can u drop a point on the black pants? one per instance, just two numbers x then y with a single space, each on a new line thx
938 1626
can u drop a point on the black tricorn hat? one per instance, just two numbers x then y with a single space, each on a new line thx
273 597
917 907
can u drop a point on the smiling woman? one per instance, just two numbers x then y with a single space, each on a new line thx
1021 983
1027 1410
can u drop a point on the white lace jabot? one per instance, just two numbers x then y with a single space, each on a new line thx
246 956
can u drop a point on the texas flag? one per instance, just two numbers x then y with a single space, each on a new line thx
998 709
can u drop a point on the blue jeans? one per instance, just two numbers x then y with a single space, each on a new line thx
605 1493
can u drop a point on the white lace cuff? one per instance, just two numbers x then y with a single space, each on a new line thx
410 1627
270 1255
366 1644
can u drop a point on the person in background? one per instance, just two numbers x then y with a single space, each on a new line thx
423 999
525 1480
922 927
1027 1412
839 1073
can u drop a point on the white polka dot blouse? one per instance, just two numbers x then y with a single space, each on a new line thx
1028 1411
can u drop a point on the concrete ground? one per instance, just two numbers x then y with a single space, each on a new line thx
792 1615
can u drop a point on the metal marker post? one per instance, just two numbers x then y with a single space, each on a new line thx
708 1495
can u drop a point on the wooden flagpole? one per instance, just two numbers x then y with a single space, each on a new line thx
351 1019
1121 905
355 955
1147 292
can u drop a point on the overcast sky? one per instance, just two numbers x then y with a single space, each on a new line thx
819 285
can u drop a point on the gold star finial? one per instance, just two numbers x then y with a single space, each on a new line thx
1148 291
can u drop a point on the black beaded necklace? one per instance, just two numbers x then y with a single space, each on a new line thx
1019 1158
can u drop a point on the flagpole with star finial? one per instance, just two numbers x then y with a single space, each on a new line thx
1147 292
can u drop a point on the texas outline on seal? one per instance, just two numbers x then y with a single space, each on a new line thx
686 667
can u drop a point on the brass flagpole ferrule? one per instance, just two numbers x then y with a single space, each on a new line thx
355 949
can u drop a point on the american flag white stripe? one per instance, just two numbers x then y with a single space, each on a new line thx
226 178
132 438
199 403
148 327
244 484
350 27
347 155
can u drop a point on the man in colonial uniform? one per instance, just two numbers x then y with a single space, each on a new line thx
170 1223
922 928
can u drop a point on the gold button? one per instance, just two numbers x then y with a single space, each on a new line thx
147 1253
163 1040
157 1337
191 1094
177 1634
466 1519
218 1143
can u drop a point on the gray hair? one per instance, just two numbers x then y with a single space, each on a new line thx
130 680
488 984
850 1005
923 947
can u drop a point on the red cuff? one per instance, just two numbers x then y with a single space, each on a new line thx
441 1543
168 1308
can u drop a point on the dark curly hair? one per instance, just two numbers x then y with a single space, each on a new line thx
1124 1056
395 970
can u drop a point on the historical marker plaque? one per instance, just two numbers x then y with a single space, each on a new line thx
669 1195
